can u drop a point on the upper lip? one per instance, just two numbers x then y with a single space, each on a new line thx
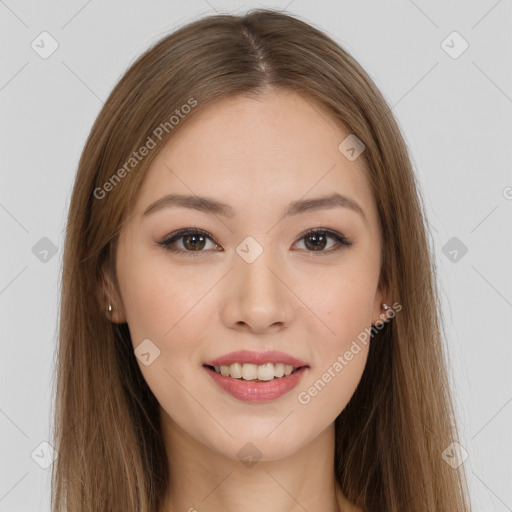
258 358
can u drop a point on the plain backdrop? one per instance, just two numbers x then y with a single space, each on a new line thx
452 96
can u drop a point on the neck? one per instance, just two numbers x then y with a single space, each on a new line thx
204 480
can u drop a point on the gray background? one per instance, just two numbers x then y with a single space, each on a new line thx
455 113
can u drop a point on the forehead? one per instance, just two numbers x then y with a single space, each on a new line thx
272 149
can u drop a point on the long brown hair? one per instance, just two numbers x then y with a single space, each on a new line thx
391 435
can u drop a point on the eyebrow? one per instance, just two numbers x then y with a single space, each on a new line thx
212 206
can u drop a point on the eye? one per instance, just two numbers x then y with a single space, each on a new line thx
316 240
195 240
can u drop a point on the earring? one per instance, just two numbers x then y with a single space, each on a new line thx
110 309
385 306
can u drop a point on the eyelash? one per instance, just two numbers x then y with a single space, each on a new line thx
340 239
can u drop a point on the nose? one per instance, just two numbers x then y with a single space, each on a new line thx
257 297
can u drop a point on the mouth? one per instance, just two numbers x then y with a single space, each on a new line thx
256 376
252 372
249 382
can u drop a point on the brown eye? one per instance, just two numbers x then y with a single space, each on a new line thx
195 241
316 240
192 241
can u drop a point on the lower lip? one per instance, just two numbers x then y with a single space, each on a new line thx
256 390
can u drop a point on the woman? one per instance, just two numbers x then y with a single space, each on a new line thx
249 314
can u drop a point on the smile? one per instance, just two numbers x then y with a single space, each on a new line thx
256 390
248 371
256 376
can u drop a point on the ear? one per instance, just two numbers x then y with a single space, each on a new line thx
380 313
107 294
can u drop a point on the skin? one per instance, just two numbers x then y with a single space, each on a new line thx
257 156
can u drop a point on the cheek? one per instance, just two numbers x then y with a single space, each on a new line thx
160 302
344 304
343 300
341 350
173 311
326 393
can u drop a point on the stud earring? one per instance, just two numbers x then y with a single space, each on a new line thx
385 306
110 309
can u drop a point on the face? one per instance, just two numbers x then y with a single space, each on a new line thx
264 268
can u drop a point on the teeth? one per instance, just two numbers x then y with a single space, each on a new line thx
248 371
279 370
266 371
235 370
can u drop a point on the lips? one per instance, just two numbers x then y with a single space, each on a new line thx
257 390
256 376
257 358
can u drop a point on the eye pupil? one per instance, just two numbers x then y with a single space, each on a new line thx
318 241
197 238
